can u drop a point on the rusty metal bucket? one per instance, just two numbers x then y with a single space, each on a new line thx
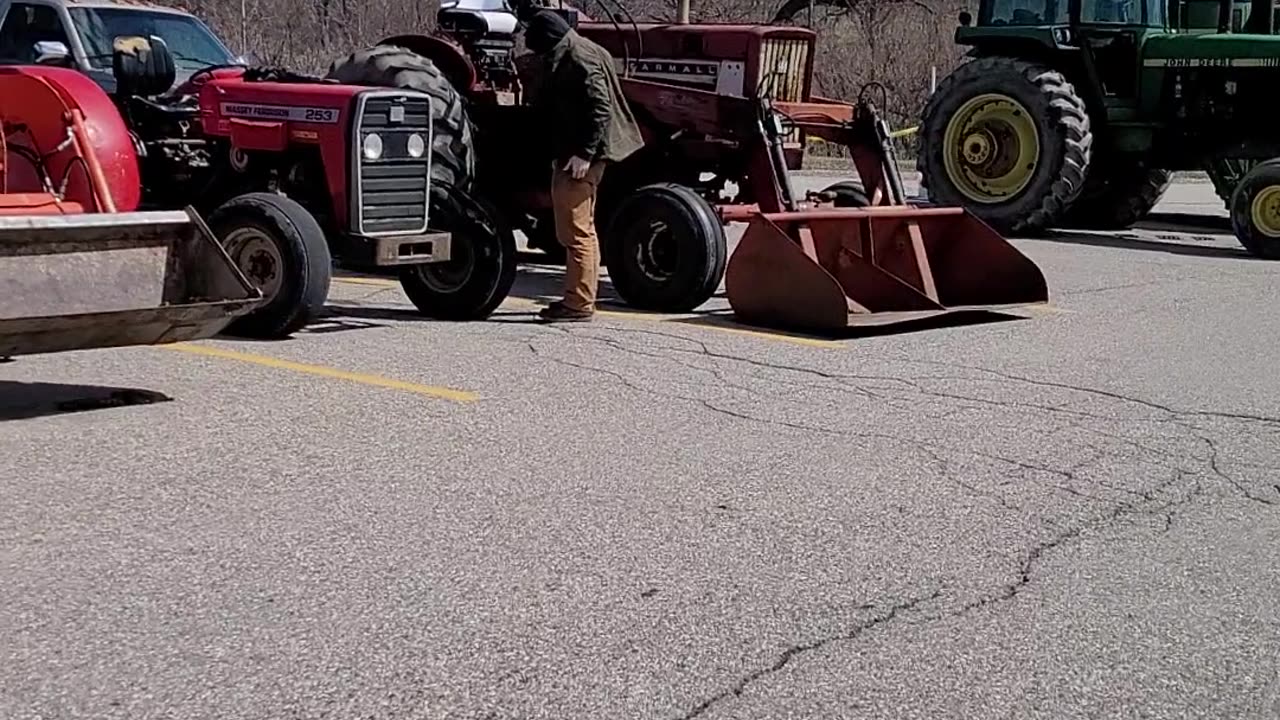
830 270
96 280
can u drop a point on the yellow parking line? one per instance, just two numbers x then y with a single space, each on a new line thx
460 396
377 282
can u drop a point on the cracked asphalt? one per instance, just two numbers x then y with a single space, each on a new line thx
1071 515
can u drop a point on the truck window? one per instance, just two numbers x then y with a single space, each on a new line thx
24 26
191 43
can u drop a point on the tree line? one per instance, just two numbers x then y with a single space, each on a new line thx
892 42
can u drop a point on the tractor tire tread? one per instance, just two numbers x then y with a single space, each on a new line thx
1116 196
453 141
1069 118
697 281
472 220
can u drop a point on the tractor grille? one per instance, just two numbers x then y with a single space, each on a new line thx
391 193
782 68
782 75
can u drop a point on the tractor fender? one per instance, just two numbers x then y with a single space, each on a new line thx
446 54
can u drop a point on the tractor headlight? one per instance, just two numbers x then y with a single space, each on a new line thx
417 146
372 146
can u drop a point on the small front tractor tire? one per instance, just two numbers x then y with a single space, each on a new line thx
1255 210
482 267
666 249
452 146
1116 195
282 251
1007 139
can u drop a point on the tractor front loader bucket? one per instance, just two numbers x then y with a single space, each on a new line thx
829 270
96 280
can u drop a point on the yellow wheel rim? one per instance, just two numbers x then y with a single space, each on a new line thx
991 147
1265 211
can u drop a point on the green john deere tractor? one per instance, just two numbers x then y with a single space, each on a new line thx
1074 113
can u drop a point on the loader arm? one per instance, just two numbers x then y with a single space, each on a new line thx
748 122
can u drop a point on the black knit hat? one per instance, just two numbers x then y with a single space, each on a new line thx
546 28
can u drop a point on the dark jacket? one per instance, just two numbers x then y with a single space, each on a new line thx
581 102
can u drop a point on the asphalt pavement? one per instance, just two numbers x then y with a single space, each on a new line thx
1070 514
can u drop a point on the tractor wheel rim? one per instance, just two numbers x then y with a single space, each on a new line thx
1265 211
991 148
258 257
450 276
655 256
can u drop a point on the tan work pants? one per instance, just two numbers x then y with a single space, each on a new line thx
574 204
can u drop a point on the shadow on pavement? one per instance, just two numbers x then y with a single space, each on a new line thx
1186 222
357 316
872 326
1129 241
25 401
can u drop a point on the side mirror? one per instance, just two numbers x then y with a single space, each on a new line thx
52 52
142 66
249 59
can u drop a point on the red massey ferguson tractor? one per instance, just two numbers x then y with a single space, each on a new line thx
485 132
291 172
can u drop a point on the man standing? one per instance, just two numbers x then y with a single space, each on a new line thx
589 126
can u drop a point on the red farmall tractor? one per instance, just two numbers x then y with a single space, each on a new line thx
724 110
291 172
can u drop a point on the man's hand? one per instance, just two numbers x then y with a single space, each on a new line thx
577 167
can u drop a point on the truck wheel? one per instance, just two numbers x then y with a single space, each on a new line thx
666 248
1255 210
1226 173
452 146
482 267
1116 196
1008 140
282 250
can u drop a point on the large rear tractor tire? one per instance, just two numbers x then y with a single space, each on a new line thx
1007 139
482 267
666 248
282 251
1255 210
453 148
1116 195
